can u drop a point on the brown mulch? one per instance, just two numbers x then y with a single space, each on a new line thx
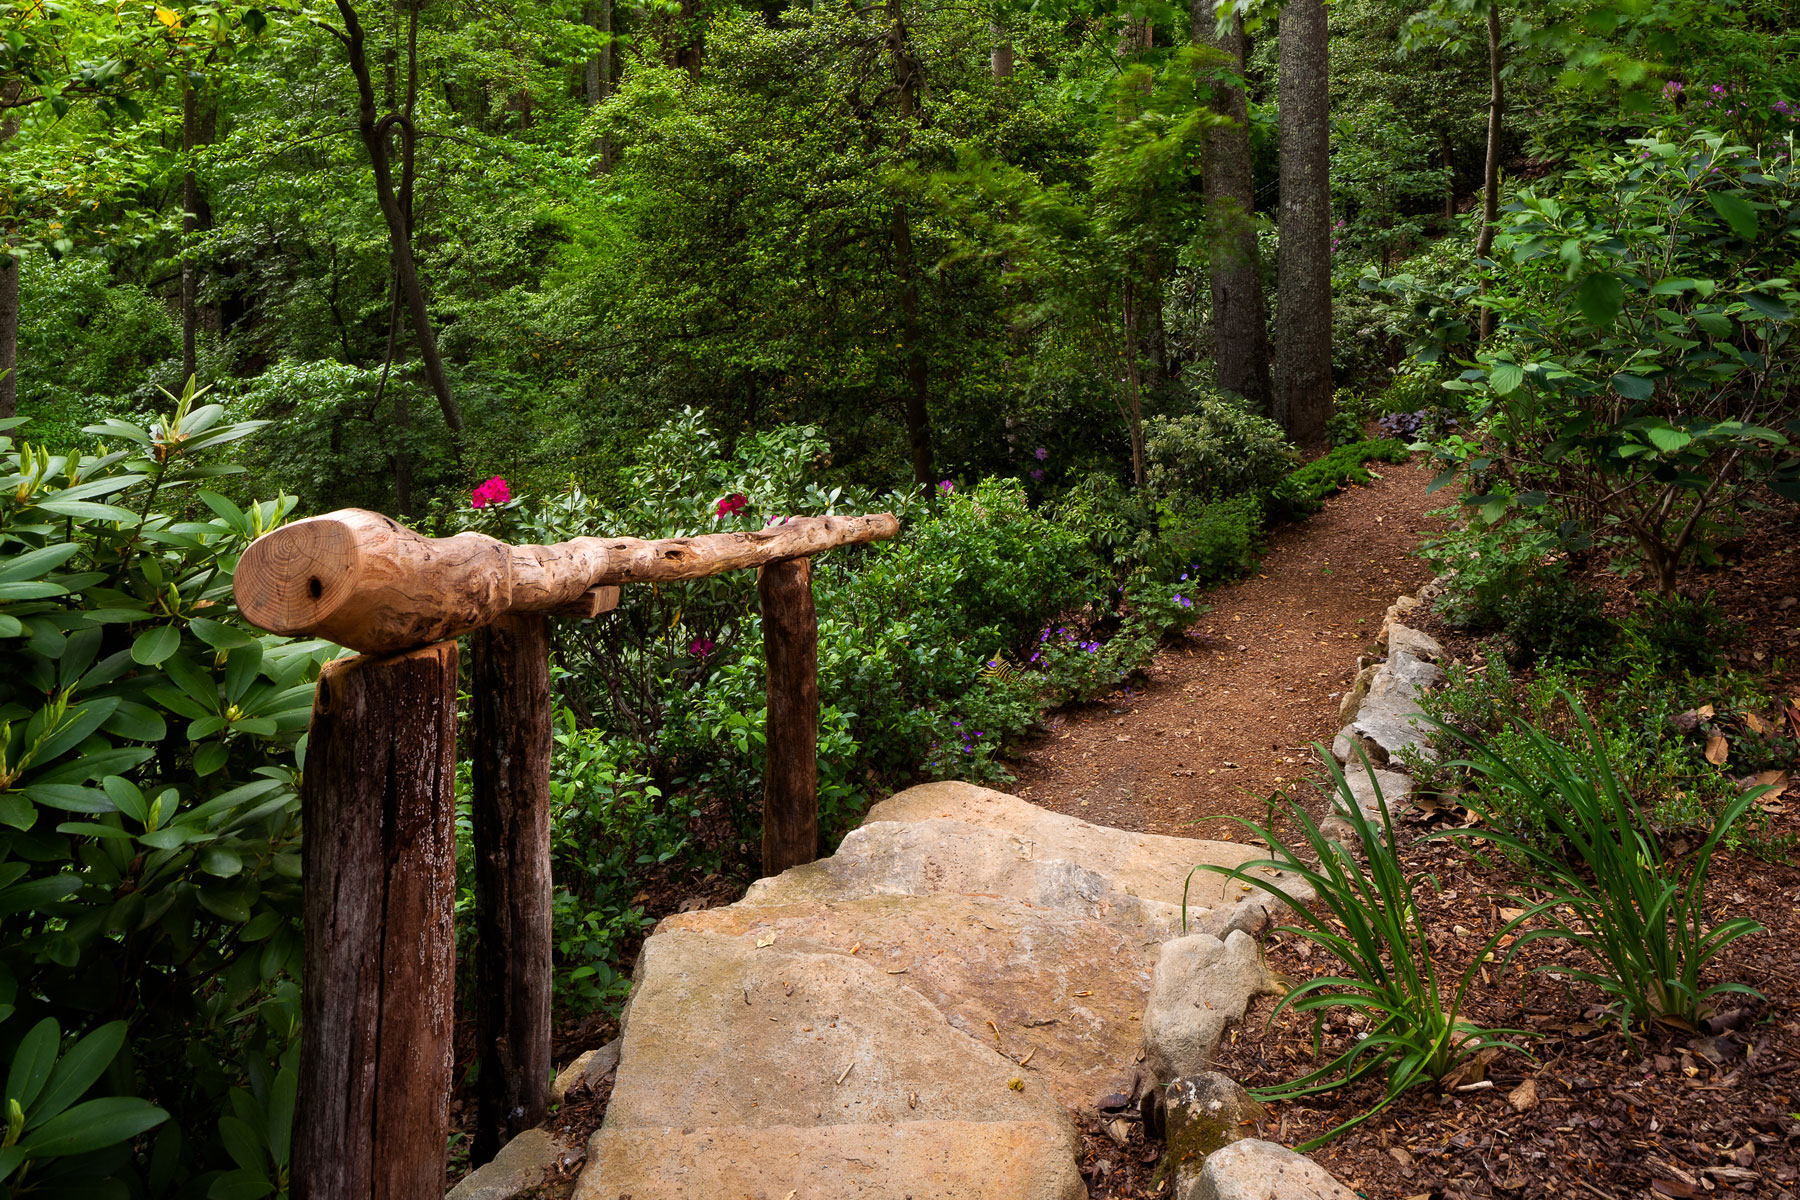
1677 1114
1229 718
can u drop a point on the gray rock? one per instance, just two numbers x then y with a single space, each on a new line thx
1354 697
520 1166
1200 986
1203 1114
589 1069
1405 674
1252 1169
1390 620
1421 645
1396 789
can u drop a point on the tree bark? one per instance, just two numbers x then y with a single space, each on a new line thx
1133 406
599 75
9 285
9 334
1490 173
1240 315
378 801
395 211
1302 374
791 776
1000 58
917 369
509 698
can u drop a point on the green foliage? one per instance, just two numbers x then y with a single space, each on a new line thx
1303 492
1219 449
149 830
1370 924
49 1137
1641 380
1609 888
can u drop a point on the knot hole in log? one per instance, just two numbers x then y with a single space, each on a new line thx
315 587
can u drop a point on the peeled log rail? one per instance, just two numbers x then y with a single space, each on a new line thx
367 582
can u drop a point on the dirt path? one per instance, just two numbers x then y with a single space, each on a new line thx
1223 722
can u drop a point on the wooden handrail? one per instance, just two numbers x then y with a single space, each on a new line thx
367 582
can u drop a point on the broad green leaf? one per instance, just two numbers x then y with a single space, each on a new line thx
1736 212
1668 440
83 510
93 1126
1633 387
127 798
1600 297
155 645
80 1068
219 635
1768 306
1505 377
36 563
37 893
33 1061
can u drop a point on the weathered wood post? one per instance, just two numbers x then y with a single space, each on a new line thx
791 737
509 699
378 804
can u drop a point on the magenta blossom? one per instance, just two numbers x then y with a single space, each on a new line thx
1041 453
494 491
732 505
701 648
946 487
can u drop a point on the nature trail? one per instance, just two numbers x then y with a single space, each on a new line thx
1230 717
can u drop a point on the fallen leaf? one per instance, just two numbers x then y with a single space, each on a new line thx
1523 1098
766 940
1717 750
1401 1155
1757 724
1775 781
1704 712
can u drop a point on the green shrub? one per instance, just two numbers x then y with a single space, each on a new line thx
1303 492
149 824
1607 886
1389 974
1678 633
1220 449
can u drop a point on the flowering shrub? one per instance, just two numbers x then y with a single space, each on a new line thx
493 492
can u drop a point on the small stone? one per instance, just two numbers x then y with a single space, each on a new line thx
1200 986
1412 641
1253 1169
520 1166
1524 1097
1201 1114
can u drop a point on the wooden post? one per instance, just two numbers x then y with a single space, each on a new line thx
378 803
510 704
791 778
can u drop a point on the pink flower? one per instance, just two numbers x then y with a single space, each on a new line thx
494 491
701 647
732 505
945 486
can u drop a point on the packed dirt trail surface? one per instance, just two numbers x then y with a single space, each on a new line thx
1230 717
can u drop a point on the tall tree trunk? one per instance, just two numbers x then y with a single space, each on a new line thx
1132 407
1302 375
599 74
196 130
9 334
395 209
1240 317
906 269
1151 365
1449 181
1000 58
9 285
1490 173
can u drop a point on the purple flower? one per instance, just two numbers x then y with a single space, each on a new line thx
1041 453
1037 474
701 647
946 487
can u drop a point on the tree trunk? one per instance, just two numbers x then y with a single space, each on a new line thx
917 367
599 74
9 287
1490 173
1449 182
1240 317
1000 58
509 698
394 212
791 735
378 801
1302 375
1133 406
9 334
